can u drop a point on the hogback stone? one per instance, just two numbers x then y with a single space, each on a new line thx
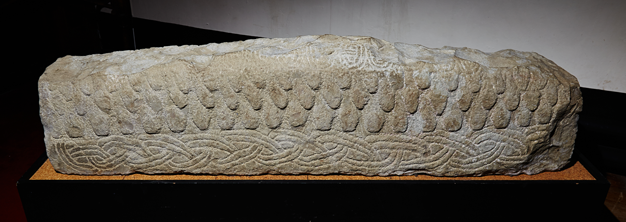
309 105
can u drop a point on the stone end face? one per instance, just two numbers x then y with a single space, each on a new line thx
309 105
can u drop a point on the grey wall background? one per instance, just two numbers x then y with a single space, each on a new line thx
587 38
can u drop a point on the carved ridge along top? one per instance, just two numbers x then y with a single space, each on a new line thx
309 105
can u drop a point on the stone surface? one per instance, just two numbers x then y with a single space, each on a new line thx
309 105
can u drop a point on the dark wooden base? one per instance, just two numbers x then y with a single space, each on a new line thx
313 200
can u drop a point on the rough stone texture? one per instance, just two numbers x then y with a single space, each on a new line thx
309 105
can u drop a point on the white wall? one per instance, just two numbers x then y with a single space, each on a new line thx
587 38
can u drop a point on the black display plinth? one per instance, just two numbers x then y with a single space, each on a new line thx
314 200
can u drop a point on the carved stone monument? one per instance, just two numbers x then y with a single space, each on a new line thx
309 105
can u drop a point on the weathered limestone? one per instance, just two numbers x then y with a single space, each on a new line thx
309 105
